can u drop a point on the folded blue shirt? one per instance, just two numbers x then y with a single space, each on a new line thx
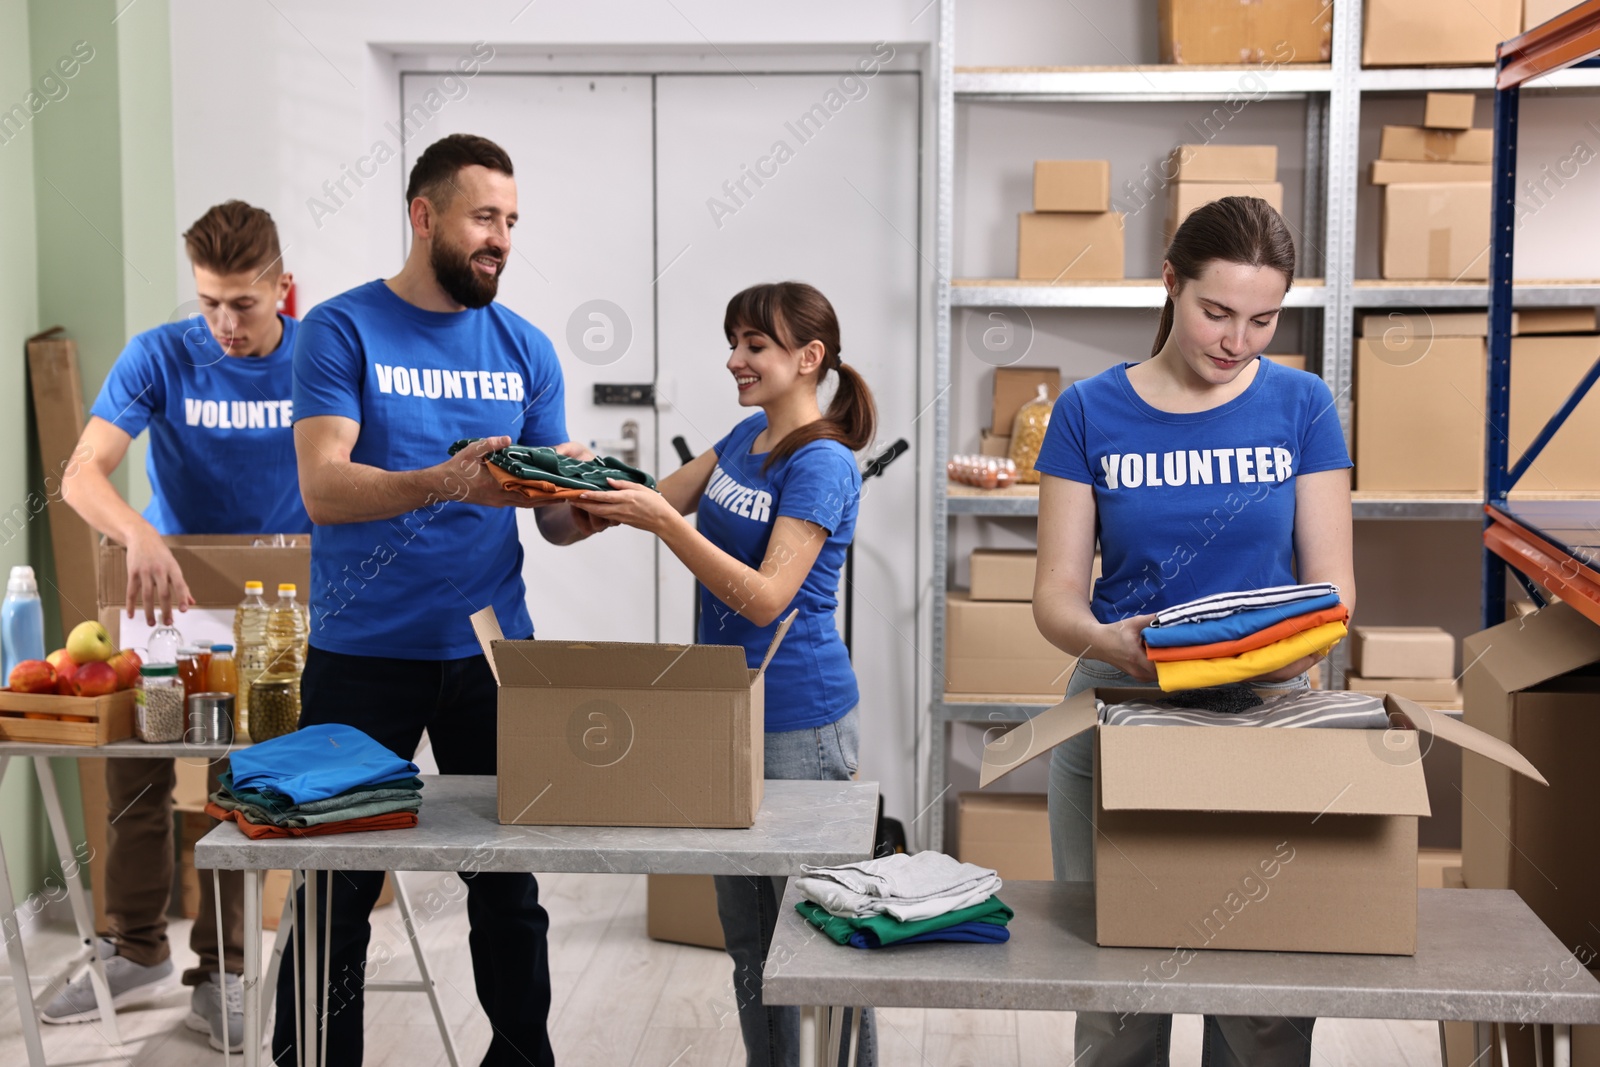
317 762
977 931
1232 628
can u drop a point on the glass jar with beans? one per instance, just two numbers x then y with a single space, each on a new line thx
158 711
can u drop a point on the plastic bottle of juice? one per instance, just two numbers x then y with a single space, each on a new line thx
286 642
250 646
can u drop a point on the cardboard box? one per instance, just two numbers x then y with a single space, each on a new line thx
1432 691
682 908
1394 327
1432 863
1014 387
1537 12
1002 573
1072 185
1402 652
1530 683
1395 171
1418 144
993 647
57 392
1437 33
1544 371
1227 32
189 792
1436 231
1184 197
1280 840
1223 163
1418 420
615 734
1449 111
1009 832
1062 246
1293 362
1555 320
994 445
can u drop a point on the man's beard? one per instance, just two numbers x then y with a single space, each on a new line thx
463 282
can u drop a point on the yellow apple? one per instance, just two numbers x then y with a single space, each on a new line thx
89 643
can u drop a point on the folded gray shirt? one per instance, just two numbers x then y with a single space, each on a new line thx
1326 709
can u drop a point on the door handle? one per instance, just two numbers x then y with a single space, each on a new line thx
626 448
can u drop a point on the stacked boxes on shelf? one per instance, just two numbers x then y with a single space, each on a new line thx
992 647
1071 234
1435 180
1415 662
1202 173
1008 832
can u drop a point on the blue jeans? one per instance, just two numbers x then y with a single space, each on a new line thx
748 906
1109 1039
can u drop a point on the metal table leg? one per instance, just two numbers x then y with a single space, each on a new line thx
216 896
11 932
251 979
1561 1045
307 962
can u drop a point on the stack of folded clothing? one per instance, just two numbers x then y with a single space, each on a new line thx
1308 708
319 780
902 899
1231 637
545 474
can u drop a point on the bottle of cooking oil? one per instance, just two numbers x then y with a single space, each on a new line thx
276 707
250 646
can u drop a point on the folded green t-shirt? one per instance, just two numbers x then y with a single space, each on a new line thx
889 929
548 465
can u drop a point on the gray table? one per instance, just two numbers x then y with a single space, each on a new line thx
797 823
40 753
1482 956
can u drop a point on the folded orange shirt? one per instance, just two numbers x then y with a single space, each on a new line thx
399 820
533 489
1260 639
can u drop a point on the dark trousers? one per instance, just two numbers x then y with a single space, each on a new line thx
393 701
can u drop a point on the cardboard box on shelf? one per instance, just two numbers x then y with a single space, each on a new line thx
993 647
994 445
1555 320
1418 144
1441 691
1432 863
1295 362
1008 832
1014 387
1395 171
1002 573
1436 231
682 909
1544 371
1530 682
1395 327
1437 33
1227 32
1184 197
1418 425
1448 111
613 734
1072 185
1223 163
1536 12
1066 246
1199 856
1402 652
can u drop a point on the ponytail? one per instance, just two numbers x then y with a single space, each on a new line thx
1163 328
1235 229
794 314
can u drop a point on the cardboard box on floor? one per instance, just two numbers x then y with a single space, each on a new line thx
1544 371
615 734
1437 33
1066 246
1009 832
1418 421
1532 683
992 647
1072 185
1225 31
682 909
1014 387
1402 652
1212 826
1184 197
1436 231
1223 163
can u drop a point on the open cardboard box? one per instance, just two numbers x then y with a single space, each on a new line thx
1292 840
614 734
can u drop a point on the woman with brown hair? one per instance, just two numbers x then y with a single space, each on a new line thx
777 500
1201 470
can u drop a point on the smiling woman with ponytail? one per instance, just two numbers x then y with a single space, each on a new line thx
777 501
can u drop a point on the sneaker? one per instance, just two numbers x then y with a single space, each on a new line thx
206 1013
130 984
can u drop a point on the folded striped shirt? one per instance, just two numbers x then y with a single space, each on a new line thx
1221 605
1235 626
1336 709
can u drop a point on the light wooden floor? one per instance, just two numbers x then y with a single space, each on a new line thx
622 999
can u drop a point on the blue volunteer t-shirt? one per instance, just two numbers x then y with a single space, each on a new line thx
810 681
417 381
1190 504
221 458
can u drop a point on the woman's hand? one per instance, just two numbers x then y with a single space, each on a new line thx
1122 646
1298 667
629 504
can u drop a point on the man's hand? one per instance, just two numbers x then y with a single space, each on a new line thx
465 477
155 577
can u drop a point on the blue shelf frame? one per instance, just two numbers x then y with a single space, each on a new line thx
1570 39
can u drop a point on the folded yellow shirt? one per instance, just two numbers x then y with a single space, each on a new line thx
1200 673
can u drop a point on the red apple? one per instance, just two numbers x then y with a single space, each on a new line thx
126 663
66 667
94 680
33 676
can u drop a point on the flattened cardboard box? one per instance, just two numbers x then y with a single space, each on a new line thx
1294 840
614 734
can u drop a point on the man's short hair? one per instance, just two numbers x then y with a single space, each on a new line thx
433 174
234 237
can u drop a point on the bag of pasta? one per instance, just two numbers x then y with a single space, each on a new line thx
1027 434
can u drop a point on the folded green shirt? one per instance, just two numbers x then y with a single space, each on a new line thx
889 930
548 465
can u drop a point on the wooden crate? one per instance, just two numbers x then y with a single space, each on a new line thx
110 718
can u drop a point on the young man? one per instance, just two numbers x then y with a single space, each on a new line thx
410 541
217 399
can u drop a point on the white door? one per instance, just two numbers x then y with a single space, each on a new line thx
580 270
